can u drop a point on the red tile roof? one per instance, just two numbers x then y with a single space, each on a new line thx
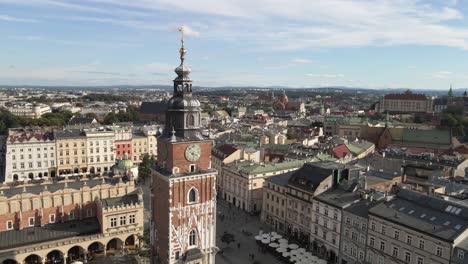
340 151
408 95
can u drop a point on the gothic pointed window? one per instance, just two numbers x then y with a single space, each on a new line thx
192 195
193 238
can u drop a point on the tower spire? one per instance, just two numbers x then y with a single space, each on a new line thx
182 50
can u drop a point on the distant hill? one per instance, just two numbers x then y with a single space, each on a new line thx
457 91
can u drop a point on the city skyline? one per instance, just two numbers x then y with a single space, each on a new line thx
369 44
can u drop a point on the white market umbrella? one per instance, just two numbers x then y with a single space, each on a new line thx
266 241
258 237
321 261
314 258
286 254
273 233
276 236
293 246
281 250
282 241
301 250
274 245
293 252
293 259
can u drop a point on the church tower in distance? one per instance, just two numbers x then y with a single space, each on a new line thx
183 200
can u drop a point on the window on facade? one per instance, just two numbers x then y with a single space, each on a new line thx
395 252
192 238
382 246
408 257
71 215
123 220
9 225
372 242
409 239
177 254
113 222
420 260
192 195
361 255
439 251
131 219
421 244
31 221
52 218
373 225
397 235
383 230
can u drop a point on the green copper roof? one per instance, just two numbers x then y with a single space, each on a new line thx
258 168
125 164
325 157
354 149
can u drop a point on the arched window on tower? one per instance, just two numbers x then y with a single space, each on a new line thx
191 120
193 238
192 195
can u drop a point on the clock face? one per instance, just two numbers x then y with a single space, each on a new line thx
163 151
193 152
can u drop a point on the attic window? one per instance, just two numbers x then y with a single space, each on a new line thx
392 205
433 218
423 215
447 223
448 208
458 211
401 209
411 212
457 227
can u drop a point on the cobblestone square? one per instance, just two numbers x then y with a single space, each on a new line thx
235 222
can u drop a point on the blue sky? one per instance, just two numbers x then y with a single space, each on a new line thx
296 43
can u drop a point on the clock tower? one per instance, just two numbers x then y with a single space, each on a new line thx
183 200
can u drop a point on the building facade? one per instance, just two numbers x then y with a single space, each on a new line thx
30 154
183 224
29 110
100 150
69 220
417 228
123 141
71 148
243 181
407 102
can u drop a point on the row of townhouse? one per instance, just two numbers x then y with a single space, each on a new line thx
45 152
324 207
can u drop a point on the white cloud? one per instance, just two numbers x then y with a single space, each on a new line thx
288 25
300 61
188 31
441 74
17 19
321 75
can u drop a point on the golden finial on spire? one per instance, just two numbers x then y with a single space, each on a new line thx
182 50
